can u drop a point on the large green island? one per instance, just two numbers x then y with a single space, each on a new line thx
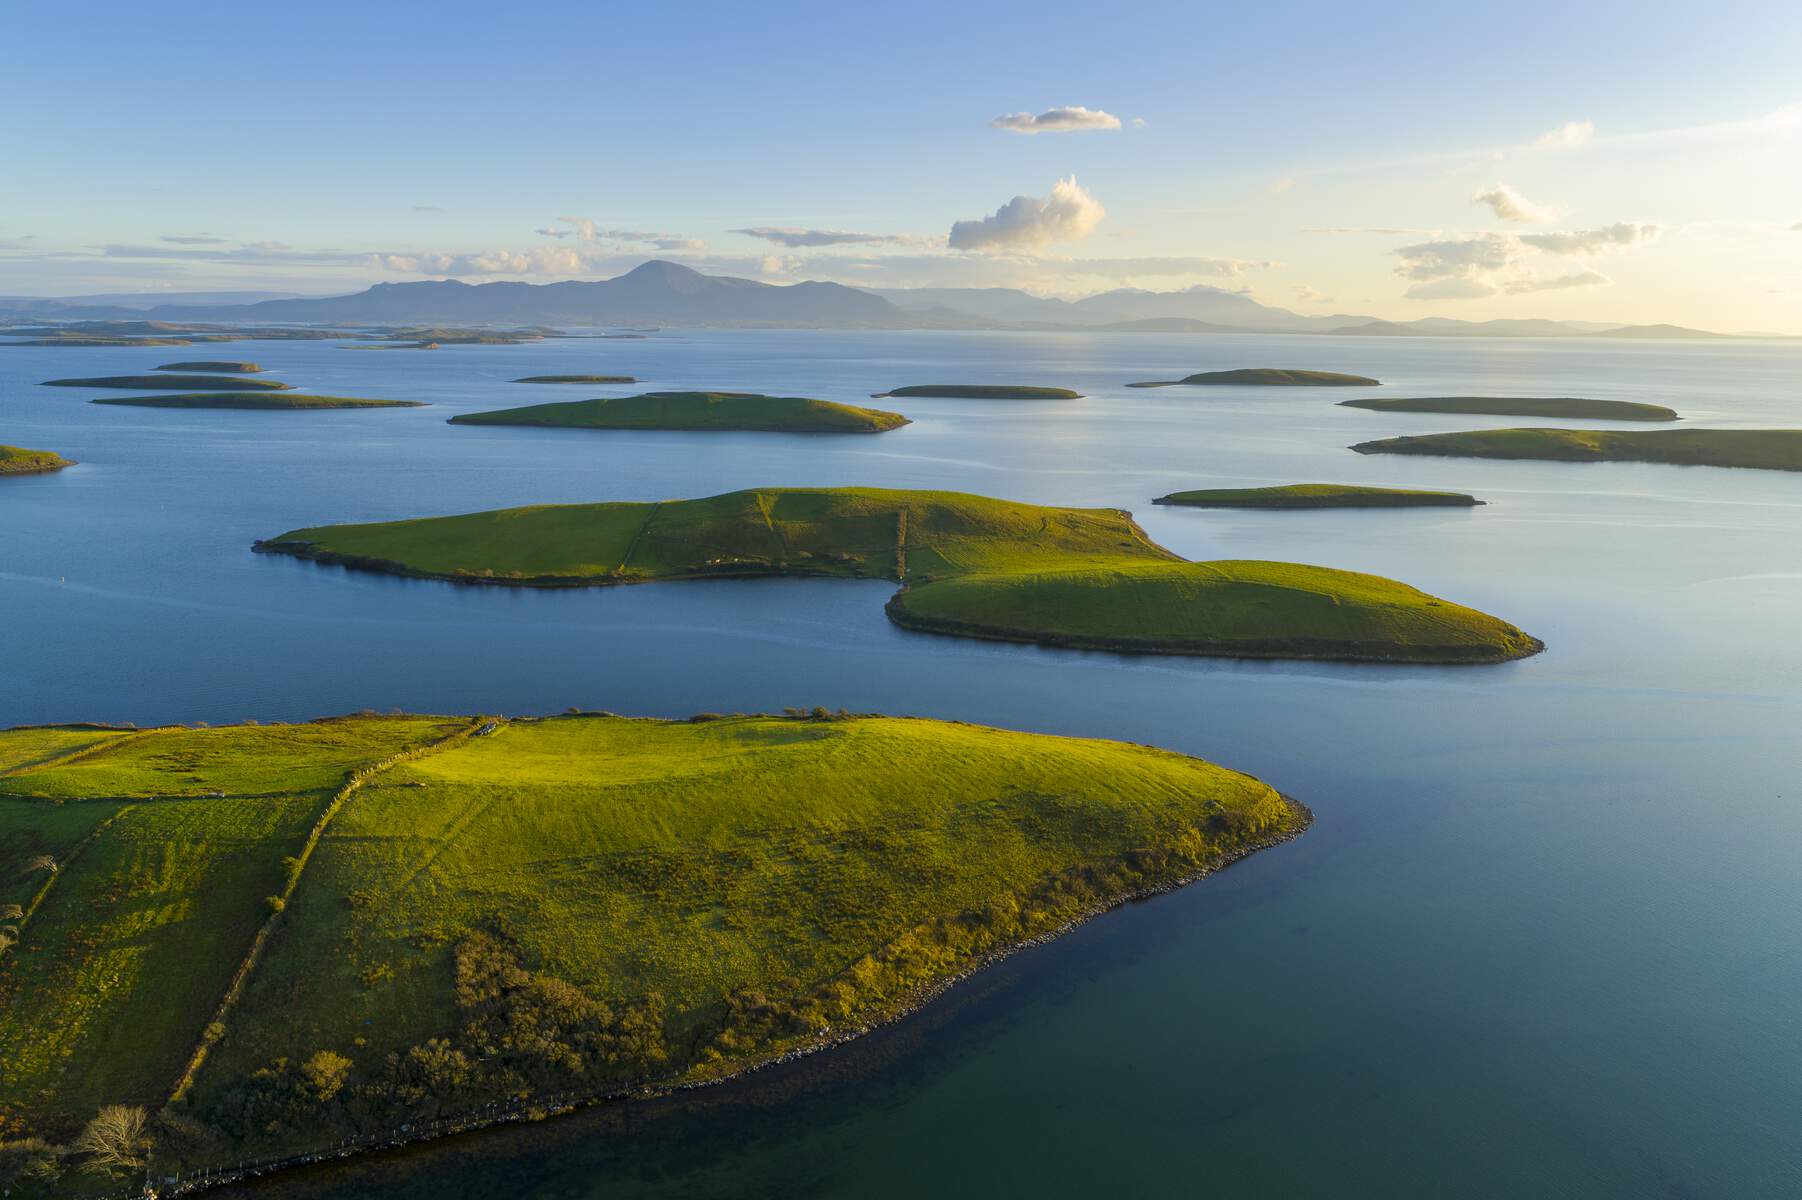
980 391
224 948
1318 495
1575 407
718 411
1264 377
255 400
1764 449
16 460
577 379
969 566
214 367
191 383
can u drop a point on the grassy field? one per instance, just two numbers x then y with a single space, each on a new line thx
1264 377
1237 609
697 411
16 460
165 846
192 383
923 540
577 379
254 400
214 367
1765 449
563 904
1519 406
1317 495
982 391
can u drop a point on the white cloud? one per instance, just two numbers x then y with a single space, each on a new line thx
427 208
1138 122
1796 228
1567 136
1510 205
793 238
585 230
197 239
1279 186
1487 264
1068 119
1309 294
1026 223
1593 241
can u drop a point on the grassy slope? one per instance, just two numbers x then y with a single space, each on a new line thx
696 410
629 856
283 400
577 379
16 460
1317 495
160 890
856 532
153 383
1519 406
1768 449
1265 377
982 391
236 368
1241 609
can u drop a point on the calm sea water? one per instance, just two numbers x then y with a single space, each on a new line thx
1544 939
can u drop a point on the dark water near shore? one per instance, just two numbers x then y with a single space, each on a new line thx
1543 939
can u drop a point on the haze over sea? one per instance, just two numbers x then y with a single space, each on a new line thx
1540 941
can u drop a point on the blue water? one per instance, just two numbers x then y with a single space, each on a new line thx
1544 938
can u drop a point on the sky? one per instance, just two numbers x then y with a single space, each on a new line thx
1600 161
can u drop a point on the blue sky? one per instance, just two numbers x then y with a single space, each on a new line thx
331 145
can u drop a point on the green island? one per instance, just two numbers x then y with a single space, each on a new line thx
231 948
969 566
254 400
1264 377
85 342
696 410
1318 495
577 379
16 460
192 383
1519 406
980 391
1762 449
214 368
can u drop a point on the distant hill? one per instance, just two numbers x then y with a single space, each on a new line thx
1516 328
1658 331
656 293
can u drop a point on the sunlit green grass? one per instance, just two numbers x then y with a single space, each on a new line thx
694 410
1519 406
254 400
192 383
1317 495
16 460
1766 449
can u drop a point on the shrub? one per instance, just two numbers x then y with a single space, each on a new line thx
324 1074
275 903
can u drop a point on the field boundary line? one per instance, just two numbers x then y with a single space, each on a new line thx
355 780
60 760
632 546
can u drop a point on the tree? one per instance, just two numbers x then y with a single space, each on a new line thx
324 1074
115 1139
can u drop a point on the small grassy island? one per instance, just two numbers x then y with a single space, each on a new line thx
214 368
254 400
970 566
1264 377
16 460
577 379
1318 495
716 411
1762 449
191 383
981 391
254 942
1519 406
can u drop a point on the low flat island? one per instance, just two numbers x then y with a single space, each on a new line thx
969 566
577 379
254 400
1574 407
403 926
190 383
716 411
980 391
16 460
1318 495
1264 377
1762 449
214 367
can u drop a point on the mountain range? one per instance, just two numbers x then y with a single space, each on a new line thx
667 293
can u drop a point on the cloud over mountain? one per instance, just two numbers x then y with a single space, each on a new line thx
1489 264
793 238
1027 223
